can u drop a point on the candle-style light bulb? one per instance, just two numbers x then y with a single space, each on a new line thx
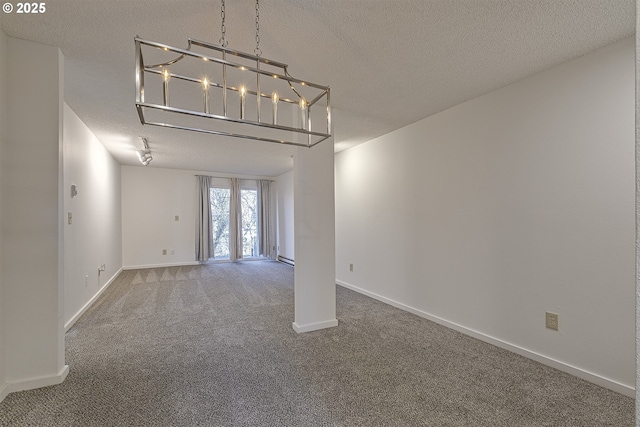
205 91
303 113
274 107
165 87
243 98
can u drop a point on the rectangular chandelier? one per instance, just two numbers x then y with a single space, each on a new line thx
212 89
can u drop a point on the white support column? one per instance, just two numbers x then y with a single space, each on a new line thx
314 223
637 213
4 387
32 221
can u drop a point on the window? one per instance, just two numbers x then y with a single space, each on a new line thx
220 198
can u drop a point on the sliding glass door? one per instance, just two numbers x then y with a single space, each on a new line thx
220 212
249 201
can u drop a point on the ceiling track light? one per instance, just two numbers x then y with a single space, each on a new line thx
144 155
220 91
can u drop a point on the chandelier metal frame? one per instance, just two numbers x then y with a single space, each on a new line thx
237 126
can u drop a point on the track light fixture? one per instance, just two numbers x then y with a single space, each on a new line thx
226 92
144 155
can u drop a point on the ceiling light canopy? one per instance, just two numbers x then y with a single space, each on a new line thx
213 89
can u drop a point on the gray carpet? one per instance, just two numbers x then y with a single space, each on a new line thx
213 346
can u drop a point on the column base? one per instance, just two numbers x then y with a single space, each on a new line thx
315 326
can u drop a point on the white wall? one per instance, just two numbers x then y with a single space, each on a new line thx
3 120
285 232
95 235
32 237
151 198
489 214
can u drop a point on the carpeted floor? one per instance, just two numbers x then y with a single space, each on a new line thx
213 346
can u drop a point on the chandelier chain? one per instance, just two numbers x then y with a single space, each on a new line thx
223 29
257 50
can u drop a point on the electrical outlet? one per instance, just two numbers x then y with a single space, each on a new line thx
164 252
173 251
350 267
86 280
552 320
177 217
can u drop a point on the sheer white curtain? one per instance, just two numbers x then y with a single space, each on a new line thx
204 236
235 221
264 218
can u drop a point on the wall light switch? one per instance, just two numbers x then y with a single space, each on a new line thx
69 218
177 217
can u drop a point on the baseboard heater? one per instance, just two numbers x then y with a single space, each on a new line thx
286 260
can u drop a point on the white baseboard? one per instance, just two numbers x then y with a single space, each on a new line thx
75 318
314 326
175 264
39 382
4 391
562 366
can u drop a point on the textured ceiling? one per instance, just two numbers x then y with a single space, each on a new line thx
389 62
